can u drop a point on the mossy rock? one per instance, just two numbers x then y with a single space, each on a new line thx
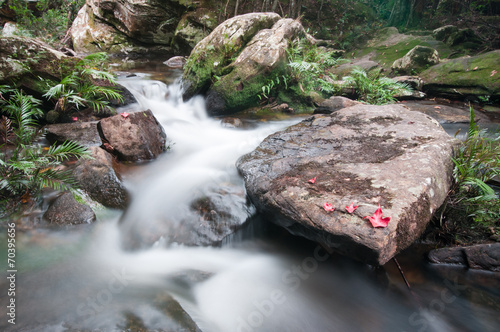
444 32
464 77
389 45
192 28
23 61
417 59
213 54
262 59
90 34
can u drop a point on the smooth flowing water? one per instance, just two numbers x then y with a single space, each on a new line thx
259 279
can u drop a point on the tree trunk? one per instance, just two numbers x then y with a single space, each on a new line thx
236 7
275 5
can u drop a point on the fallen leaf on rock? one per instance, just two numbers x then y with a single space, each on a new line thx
312 180
351 208
124 115
377 220
74 118
437 107
328 207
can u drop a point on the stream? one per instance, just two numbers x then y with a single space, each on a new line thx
258 279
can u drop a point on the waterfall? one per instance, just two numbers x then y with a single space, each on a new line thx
74 280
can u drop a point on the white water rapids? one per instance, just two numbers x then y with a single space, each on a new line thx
74 280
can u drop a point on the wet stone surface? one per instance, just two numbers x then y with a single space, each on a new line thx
366 155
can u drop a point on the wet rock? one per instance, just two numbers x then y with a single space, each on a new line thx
418 58
282 108
65 210
232 122
334 104
465 77
214 214
83 133
366 155
480 256
98 179
176 62
137 137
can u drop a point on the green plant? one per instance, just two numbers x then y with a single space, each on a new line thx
80 89
26 166
307 68
49 22
476 163
373 89
271 85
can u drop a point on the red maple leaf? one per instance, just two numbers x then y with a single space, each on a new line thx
377 220
312 180
351 208
328 207
124 115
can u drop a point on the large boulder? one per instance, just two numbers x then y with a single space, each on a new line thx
98 179
366 155
464 77
417 59
128 27
263 57
211 55
134 137
23 61
90 35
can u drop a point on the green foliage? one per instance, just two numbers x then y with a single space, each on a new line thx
271 85
373 89
307 68
25 166
79 89
477 161
48 21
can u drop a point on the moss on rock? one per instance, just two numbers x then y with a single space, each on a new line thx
465 76
212 55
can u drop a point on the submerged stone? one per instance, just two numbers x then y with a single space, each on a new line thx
366 155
